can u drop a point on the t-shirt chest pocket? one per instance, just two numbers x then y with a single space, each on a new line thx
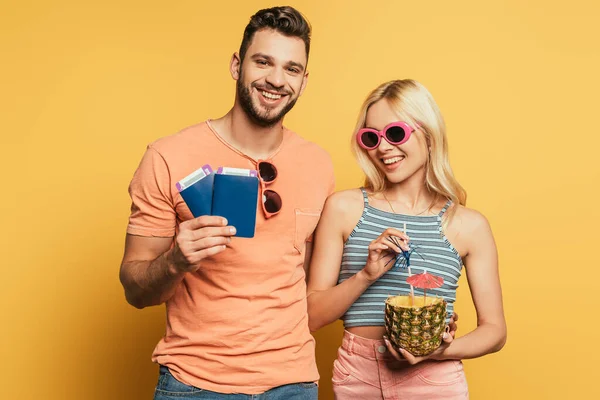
306 220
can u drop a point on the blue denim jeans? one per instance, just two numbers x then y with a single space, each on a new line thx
169 388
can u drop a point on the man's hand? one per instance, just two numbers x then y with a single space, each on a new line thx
198 239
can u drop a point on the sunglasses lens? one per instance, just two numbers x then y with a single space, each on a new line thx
369 139
267 171
272 201
395 134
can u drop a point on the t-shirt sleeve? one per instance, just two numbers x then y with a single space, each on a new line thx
152 209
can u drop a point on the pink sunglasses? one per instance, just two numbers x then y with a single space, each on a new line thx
395 133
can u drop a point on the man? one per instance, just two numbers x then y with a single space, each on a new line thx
236 307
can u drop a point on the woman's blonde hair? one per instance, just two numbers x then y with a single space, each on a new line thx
414 105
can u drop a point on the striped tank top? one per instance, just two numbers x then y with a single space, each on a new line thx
438 257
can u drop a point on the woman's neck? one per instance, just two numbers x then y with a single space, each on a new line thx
411 196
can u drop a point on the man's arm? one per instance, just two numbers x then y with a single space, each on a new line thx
145 273
153 267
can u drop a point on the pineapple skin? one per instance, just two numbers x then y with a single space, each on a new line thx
417 330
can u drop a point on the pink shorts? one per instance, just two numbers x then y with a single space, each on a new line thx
365 369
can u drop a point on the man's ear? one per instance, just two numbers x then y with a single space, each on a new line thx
234 66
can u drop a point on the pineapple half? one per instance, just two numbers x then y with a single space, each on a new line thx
416 328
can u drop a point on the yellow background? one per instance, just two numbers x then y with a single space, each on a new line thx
86 85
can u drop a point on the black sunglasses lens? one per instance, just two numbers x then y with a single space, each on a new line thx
395 134
369 139
272 201
267 171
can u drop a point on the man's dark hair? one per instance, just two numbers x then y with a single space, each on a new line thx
286 20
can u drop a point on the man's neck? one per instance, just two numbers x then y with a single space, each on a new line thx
255 141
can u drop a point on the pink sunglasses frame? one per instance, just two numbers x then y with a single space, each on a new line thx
381 134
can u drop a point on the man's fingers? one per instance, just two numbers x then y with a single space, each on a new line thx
212 231
204 221
211 251
208 242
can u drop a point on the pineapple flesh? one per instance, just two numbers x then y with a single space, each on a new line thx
417 328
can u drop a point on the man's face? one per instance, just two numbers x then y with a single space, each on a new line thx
271 77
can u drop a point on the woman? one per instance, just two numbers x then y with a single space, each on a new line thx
411 194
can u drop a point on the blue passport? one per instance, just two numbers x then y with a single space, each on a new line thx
230 193
235 198
197 190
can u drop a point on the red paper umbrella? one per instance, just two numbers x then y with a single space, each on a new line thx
425 281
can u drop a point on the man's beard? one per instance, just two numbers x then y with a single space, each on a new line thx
263 119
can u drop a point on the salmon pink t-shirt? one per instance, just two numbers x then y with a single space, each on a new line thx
239 324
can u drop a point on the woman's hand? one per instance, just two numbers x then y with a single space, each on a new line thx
437 354
382 253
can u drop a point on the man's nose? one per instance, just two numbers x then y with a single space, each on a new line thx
276 78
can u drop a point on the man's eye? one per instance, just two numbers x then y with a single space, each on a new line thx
261 62
294 70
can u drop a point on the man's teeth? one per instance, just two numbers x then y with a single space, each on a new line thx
392 160
271 96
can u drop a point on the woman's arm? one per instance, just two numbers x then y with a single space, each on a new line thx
481 262
328 301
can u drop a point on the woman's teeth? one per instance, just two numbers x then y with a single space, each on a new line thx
393 160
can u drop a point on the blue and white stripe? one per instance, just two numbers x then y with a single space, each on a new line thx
439 258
